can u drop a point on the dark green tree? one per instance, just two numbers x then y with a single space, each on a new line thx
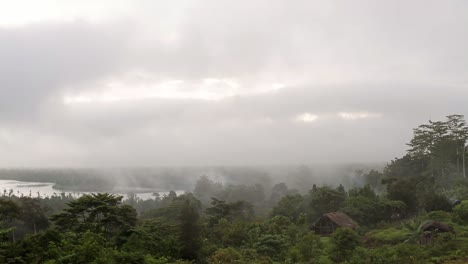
325 200
32 213
189 238
239 210
344 241
98 213
9 211
154 237
291 206
459 132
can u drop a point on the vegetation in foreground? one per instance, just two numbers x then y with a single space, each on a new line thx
249 224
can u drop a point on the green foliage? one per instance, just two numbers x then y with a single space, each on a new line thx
309 248
98 213
148 259
432 201
291 206
90 249
344 241
440 216
387 236
271 245
9 210
435 162
170 206
227 233
401 253
365 191
226 255
404 190
155 238
33 214
461 211
234 256
325 200
373 178
239 210
362 209
206 188
189 237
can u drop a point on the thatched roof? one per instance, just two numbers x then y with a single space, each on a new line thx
436 226
340 219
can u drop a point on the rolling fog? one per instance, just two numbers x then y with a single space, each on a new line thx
146 181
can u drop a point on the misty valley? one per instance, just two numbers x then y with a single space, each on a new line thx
233 132
414 209
145 183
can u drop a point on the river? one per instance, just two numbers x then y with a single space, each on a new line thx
44 189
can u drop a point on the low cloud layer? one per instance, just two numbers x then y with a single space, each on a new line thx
226 83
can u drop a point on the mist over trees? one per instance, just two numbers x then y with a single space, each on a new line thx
414 210
237 132
440 146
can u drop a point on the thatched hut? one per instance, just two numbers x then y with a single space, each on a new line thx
329 222
439 227
431 229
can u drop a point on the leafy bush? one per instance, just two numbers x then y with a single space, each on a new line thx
344 241
439 216
387 236
401 253
461 211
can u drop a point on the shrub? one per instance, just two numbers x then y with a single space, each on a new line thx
344 241
387 236
461 211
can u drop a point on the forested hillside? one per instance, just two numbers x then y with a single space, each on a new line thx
413 211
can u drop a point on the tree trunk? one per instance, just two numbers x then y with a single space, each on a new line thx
432 166
463 159
35 230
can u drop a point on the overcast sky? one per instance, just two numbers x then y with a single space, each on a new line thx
128 83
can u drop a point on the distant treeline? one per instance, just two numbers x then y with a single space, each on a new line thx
415 211
184 178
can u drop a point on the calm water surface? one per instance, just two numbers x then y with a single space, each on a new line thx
44 189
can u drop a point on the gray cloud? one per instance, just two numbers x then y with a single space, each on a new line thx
42 60
401 62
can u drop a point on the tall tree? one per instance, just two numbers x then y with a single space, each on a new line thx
421 146
98 213
441 139
459 131
441 144
33 214
325 200
9 210
240 210
189 231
